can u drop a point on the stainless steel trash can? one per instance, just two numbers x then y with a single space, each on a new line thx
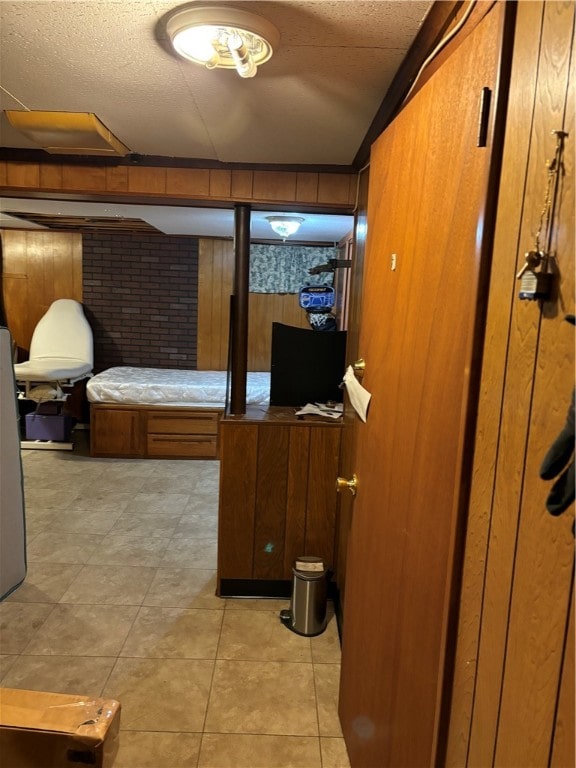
307 613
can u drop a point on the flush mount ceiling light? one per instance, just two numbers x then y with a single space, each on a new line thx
222 37
285 225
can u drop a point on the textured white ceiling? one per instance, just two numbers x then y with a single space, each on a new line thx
311 104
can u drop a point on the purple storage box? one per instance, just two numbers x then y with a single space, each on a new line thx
41 426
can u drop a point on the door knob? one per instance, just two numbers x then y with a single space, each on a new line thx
352 485
359 367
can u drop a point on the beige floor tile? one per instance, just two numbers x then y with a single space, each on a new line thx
257 604
197 526
147 523
45 583
120 482
166 485
161 694
188 469
19 622
125 549
100 499
79 520
260 636
334 754
164 503
190 553
146 749
327 679
83 630
273 698
247 751
63 547
184 588
6 662
177 633
43 499
130 468
203 505
326 647
109 585
82 675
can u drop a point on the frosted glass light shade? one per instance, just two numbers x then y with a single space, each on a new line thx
222 37
285 225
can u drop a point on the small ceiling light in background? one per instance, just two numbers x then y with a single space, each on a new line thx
222 37
285 225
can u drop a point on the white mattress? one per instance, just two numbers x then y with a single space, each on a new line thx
162 386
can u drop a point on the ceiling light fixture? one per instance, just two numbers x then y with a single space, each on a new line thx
285 225
222 37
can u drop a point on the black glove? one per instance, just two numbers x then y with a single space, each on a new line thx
562 449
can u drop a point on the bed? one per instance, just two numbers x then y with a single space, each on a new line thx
162 413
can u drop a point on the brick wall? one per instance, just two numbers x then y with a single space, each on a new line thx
141 299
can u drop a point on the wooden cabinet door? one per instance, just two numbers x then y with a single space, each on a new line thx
430 223
116 432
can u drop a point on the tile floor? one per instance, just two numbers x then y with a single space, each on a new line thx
119 602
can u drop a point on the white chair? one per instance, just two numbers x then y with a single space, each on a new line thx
61 350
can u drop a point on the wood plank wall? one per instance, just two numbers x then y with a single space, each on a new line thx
513 702
215 285
38 268
330 190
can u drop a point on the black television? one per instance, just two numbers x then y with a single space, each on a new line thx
306 366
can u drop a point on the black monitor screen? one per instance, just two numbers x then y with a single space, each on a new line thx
307 366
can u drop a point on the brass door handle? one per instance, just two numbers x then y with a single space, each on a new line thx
352 485
359 367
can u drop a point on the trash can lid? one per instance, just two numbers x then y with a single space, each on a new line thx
309 564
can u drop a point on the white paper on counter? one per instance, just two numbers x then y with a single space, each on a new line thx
359 397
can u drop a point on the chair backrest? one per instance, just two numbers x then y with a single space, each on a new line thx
63 332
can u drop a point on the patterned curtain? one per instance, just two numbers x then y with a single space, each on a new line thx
284 268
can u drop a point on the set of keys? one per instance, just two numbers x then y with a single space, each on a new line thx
534 285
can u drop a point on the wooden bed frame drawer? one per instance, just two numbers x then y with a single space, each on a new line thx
182 446
200 423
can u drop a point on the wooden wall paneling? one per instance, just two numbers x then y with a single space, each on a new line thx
205 256
545 546
223 276
222 185
563 748
23 175
271 494
117 179
242 183
188 181
148 181
296 495
215 276
503 288
321 501
306 187
39 267
519 387
15 286
237 501
261 313
270 185
91 178
51 176
334 188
